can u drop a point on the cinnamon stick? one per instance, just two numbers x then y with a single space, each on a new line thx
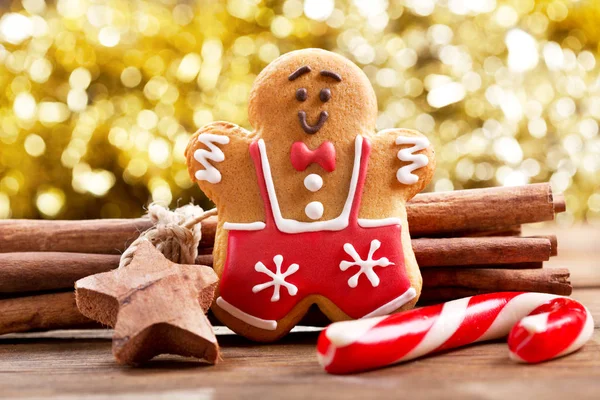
480 250
546 280
33 271
41 312
462 212
58 310
482 209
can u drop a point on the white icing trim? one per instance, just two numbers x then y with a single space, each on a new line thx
293 226
277 278
314 210
210 173
266 324
313 182
404 173
374 223
366 266
244 226
393 305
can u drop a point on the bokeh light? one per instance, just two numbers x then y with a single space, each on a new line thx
99 98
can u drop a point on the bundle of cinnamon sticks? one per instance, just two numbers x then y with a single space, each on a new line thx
466 242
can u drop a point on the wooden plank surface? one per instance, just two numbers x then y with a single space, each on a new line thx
79 364
43 366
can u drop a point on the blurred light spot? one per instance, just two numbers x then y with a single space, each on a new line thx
4 206
506 16
137 167
464 7
445 95
182 179
15 28
281 27
419 7
565 107
560 181
53 112
147 119
440 34
531 167
443 185
34 145
268 52
386 77
34 6
155 88
99 15
484 171
244 46
557 11
80 78
319 10
471 81
588 128
131 77
109 36
189 67
522 50
292 8
24 106
77 100
50 201
40 70
537 127
587 60
425 123
406 58
202 117
183 14
159 151
553 56
594 202
508 149
96 182
515 178
364 53
71 8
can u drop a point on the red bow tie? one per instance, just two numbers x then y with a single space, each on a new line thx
301 156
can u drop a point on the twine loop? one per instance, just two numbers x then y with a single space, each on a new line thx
175 233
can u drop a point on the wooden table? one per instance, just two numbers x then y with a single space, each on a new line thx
79 364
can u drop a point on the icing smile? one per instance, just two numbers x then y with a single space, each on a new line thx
312 129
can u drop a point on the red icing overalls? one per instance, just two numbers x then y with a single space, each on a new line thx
357 264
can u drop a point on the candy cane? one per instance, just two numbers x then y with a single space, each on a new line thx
539 327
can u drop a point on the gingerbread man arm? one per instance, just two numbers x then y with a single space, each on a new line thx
212 152
410 156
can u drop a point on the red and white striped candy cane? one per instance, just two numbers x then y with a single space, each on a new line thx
539 326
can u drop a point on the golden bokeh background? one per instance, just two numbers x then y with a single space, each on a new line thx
99 98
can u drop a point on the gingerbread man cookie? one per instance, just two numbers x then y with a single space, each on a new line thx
312 202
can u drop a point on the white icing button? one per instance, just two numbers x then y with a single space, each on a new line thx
313 182
314 210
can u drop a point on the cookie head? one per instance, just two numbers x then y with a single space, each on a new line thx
312 95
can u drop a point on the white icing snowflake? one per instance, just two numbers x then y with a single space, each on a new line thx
278 278
366 266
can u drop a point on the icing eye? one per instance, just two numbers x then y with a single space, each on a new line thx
325 95
301 94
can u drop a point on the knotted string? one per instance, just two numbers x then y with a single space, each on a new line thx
176 233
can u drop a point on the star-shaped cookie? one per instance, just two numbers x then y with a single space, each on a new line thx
156 307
